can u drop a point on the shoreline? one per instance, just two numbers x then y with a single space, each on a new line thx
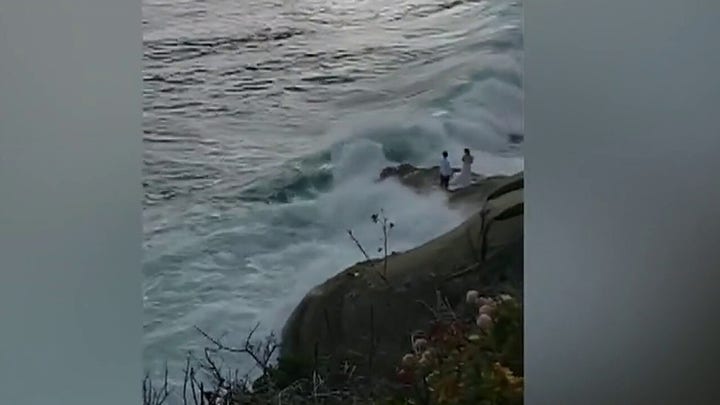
378 299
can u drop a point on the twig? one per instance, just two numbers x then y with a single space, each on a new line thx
192 387
385 243
249 349
357 243
435 314
385 226
212 368
153 396
462 272
185 379
448 308
385 279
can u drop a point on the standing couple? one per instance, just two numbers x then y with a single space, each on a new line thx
446 171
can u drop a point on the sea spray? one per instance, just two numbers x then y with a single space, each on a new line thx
237 230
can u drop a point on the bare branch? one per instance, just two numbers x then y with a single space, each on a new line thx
185 379
153 396
357 243
261 356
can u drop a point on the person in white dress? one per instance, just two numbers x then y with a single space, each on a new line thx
465 177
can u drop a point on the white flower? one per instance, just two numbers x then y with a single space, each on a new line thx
505 297
484 321
419 344
486 309
425 359
472 297
485 301
408 360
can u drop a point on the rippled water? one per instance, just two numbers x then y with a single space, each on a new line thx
265 124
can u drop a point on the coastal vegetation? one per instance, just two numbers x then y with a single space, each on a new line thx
439 324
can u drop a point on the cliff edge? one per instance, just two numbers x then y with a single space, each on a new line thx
365 314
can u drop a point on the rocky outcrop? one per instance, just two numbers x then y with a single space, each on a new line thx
425 180
419 179
366 313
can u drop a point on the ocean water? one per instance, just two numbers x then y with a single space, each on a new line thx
266 124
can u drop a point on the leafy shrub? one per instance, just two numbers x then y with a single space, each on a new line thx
475 359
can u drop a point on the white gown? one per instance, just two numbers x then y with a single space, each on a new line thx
465 177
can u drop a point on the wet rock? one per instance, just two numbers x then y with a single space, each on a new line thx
364 316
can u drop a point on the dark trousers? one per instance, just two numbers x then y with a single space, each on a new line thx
445 182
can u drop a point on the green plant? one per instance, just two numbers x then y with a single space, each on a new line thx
471 360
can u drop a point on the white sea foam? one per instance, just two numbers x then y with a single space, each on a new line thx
237 253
